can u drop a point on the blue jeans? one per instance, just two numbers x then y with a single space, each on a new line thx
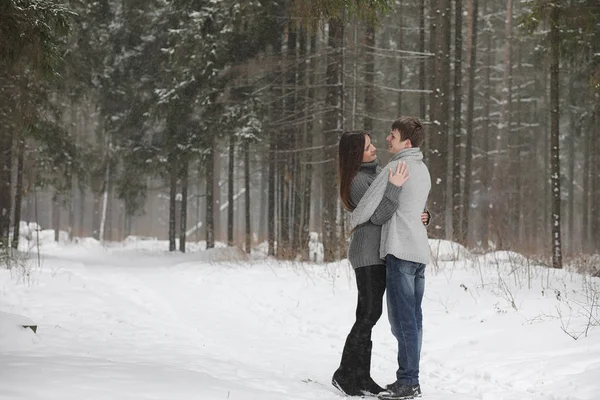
405 285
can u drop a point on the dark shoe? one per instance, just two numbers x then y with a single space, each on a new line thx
391 386
399 391
346 382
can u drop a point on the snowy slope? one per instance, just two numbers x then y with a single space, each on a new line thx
131 321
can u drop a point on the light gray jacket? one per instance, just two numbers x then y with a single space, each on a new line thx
403 235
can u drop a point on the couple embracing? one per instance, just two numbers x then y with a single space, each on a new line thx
388 251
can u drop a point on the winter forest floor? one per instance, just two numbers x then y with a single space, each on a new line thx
131 321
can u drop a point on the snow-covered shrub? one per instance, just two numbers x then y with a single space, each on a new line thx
587 264
316 252
445 250
219 254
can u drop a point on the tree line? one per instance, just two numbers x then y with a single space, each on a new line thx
221 119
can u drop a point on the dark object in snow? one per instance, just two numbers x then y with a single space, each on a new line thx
13 321
32 327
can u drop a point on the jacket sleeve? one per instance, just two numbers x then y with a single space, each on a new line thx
388 205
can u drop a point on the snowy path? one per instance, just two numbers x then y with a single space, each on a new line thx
147 327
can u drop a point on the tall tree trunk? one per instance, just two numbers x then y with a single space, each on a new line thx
219 232
296 206
271 196
542 147
286 142
570 181
595 184
108 234
83 122
127 222
71 205
473 7
400 46
120 227
56 199
5 184
501 188
484 188
230 188
340 229
198 185
457 210
275 142
81 231
332 124
283 220
513 147
309 91
516 144
210 187
264 198
74 123
29 211
248 245
104 201
554 138
18 192
370 106
96 213
585 203
422 64
184 177
296 107
299 139
432 110
172 206
439 114
571 191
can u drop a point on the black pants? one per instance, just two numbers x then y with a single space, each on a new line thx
353 377
370 282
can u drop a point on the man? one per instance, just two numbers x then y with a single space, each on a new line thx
405 247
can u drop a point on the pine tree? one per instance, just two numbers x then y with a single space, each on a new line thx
31 32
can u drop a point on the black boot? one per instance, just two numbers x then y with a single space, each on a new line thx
365 382
345 378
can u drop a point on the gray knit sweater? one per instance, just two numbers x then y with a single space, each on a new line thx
364 244
403 235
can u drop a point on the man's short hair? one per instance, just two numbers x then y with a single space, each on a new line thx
410 128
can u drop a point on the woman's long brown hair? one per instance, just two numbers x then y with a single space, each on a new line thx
351 149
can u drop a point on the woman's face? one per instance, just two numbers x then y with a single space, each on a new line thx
370 152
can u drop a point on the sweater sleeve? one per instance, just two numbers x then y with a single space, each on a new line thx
388 205
368 203
358 188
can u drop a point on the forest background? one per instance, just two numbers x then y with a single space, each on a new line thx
217 121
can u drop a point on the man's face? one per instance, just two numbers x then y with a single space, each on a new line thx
395 142
370 152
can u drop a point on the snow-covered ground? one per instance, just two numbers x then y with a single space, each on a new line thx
131 321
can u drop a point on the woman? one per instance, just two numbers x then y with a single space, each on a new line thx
358 167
